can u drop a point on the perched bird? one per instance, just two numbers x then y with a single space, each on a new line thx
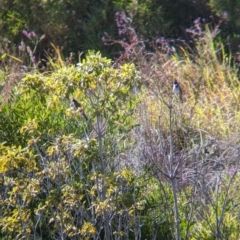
177 90
78 105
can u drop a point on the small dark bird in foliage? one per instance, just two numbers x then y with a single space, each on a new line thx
177 90
79 106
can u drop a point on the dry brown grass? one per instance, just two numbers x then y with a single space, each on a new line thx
211 92
12 77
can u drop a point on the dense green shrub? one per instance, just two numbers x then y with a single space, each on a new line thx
58 169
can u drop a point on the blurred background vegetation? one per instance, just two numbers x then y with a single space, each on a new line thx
129 160
79 25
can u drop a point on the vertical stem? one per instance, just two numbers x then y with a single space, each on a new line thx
173 180
100 144
171 142
176 212
103 172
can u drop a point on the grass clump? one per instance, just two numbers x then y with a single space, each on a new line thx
210 91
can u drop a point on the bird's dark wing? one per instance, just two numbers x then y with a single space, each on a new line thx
76 103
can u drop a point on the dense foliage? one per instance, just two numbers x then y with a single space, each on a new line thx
77 26
63 161
94 148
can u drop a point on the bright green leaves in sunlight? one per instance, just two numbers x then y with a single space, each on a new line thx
108 91
13 159
52 181
44 100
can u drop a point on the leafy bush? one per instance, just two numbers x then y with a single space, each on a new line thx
84 153
53 160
